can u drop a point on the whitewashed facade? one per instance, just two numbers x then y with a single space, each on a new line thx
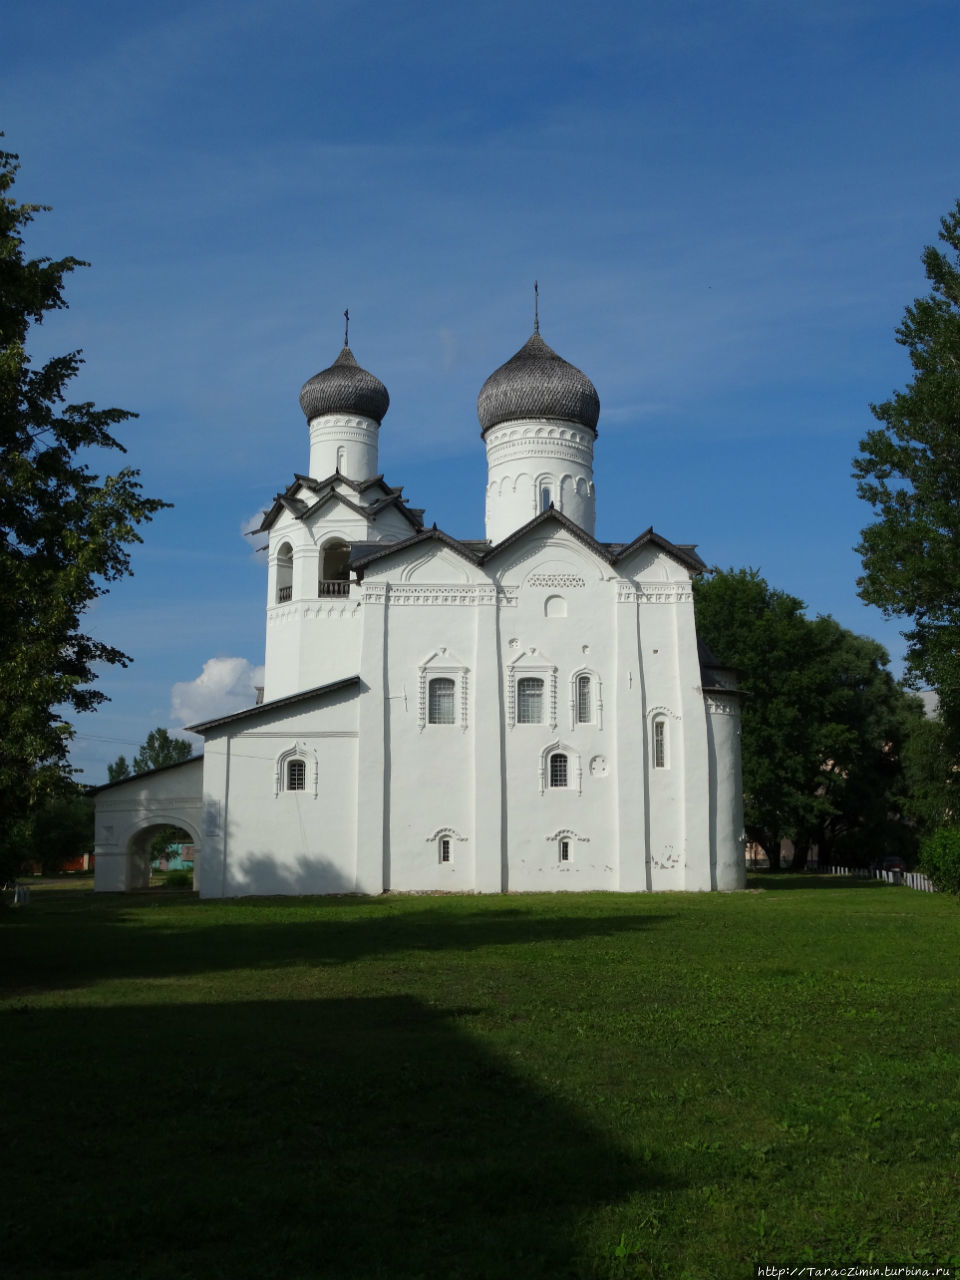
526 711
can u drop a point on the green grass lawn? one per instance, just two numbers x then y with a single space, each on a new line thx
514 1087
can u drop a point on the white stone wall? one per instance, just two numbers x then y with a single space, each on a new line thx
551 609
263 838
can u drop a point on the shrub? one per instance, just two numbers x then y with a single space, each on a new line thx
940 859
178 880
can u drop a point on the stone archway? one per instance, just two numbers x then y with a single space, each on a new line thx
137 859
129 814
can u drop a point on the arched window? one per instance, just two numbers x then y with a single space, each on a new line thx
529 700
341 458
284 573
441 707
558 769
564 849
446 849
584 700
546 497
659 744
296 775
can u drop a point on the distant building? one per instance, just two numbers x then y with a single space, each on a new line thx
529 710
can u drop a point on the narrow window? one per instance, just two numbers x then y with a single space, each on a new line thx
564 850
545 499
584 712
296 775
440 701
444 848
558 770
659 744
529 701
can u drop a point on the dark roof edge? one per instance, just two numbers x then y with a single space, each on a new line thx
423 535
542 517
264 707
147 773
686 555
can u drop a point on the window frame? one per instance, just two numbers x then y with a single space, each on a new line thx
522 705
443 665
449 704
574 769
523 668
296 753
558 767
659 746
596 698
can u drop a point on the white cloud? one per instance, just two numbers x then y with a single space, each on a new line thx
223 686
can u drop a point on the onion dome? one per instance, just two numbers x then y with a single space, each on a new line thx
344 388
537 383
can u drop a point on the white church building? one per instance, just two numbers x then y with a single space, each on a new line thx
529 710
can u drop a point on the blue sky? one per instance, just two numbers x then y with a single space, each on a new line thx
725 205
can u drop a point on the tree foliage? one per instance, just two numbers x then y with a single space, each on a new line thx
940 859
823 722
160 749
909 471
119 770
64 531
62 829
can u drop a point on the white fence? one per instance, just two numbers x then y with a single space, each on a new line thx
912 879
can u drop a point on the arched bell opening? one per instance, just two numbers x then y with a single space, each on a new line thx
334 572
285 573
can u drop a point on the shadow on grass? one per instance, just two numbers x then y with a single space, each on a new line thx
350 1139
777 880
70 943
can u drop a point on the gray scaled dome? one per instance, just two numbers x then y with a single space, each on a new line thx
345 388
537 383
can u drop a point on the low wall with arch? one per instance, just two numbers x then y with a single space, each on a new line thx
130 812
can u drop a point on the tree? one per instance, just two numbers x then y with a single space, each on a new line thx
62 830
822 723
119 770
160 749
909 472
64 534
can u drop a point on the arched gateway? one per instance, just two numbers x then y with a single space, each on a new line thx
131 812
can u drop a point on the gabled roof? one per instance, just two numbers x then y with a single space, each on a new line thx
330 488
479 551
611 552
686 554
265 708
380 551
